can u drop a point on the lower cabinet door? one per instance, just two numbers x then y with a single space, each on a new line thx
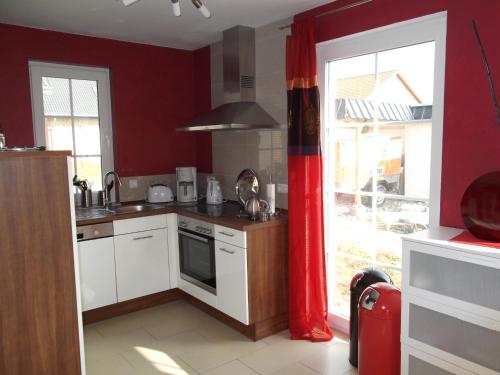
231 278
142 266
97 273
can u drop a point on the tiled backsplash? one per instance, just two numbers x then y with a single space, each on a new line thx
128 194
264 151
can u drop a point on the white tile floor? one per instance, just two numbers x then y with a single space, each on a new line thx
179 339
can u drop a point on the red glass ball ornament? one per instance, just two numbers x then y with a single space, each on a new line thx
481 207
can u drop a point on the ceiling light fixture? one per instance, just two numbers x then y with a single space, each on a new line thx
129 2
176 7
202 8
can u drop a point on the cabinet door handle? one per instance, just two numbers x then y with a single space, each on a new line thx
226 250
142 238
227 234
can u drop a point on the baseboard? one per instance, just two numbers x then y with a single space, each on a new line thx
126 307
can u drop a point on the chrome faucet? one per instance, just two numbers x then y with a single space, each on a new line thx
109 187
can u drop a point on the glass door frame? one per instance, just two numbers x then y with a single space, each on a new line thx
419 30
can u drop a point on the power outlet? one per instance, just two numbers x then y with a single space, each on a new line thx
282 188
133 184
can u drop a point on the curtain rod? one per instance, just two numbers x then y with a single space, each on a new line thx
337 10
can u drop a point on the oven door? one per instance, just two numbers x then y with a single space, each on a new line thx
197 259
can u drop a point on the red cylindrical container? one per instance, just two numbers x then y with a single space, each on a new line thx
379 329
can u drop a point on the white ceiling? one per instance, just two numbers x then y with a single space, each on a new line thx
149 21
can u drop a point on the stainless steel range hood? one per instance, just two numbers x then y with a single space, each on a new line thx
240 111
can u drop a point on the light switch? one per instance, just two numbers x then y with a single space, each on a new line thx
132 184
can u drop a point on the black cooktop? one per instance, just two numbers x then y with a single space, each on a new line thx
226 209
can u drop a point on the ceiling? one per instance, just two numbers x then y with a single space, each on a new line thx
149 21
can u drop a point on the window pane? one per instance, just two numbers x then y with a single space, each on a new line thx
87 136
89 168
352 85
59 133
415 65
394 274
56 101
84 98
385 146
345 269
394 219
352 226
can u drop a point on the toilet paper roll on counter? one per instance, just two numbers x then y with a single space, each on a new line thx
271 197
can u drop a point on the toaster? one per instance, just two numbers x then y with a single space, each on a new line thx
159 193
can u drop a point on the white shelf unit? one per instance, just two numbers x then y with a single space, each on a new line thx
451 305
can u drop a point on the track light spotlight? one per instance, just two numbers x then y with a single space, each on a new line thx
202 8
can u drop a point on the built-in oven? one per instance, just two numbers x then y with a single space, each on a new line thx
197 253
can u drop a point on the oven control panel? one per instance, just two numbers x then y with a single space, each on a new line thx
194 225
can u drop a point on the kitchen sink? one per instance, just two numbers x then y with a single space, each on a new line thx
135 208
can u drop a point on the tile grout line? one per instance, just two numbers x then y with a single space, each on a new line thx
310 368
251 369
187 364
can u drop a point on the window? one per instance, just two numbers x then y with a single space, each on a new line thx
72 111
382 99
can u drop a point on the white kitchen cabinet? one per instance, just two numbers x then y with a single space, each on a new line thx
232 236
142 265
173 250
97 273
139 224
232 284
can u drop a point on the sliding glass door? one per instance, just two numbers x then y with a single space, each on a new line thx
378 128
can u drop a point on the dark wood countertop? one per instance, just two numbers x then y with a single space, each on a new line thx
239 223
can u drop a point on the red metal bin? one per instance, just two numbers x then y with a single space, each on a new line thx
379 329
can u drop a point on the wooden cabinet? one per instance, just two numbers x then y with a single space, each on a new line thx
142 266
39 302
97 273
451 307
232 281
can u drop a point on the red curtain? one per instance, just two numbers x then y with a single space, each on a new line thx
307 274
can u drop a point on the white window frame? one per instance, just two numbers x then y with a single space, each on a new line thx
419 30
40 69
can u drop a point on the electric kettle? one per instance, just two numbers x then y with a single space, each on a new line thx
214 192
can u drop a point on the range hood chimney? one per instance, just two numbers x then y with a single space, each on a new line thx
240 112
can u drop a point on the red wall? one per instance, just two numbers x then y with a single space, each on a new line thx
153 90
471 135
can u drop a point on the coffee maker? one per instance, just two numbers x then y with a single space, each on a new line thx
186 184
